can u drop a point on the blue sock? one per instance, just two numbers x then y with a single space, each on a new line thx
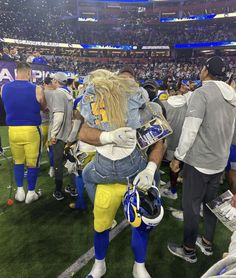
173 190
32 178
19 174
80 200
50 156
139 244
101 243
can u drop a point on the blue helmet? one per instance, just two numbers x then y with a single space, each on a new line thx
143 208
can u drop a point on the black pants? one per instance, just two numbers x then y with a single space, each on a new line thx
198 188
58 151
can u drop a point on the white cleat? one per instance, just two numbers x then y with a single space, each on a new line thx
140 271
162 188
178 215
98 270
20 194
32 196
168 194
51 172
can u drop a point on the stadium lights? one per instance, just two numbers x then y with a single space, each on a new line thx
173 13
230 49
207 50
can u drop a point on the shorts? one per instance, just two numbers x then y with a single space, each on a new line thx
25 143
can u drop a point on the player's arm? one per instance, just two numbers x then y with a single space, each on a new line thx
145 179
123 137
41 98
157 152
90 135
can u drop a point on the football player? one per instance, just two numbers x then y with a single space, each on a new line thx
22 101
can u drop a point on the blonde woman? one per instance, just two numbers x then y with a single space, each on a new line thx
114 102
114 107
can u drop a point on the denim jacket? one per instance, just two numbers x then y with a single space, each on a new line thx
98 119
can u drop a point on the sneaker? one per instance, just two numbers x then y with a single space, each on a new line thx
98 270
32 196
71 190
58 195
204 247
168 194
51 172
178 215
162 182
179 251
20 194
140 271
161 172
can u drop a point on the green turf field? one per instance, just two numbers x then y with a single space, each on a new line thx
42 239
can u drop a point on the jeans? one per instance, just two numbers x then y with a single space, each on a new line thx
105 171
198 188
58 156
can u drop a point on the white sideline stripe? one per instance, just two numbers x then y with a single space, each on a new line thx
84 259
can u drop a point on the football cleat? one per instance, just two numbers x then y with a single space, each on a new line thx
98 270
140 271
20 194
32 196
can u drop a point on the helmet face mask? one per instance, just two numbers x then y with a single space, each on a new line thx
143 209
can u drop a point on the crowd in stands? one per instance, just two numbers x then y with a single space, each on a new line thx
42 23
156 68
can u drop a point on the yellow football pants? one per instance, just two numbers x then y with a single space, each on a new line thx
25 143
107 201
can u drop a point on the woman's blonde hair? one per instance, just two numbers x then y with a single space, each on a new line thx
112 92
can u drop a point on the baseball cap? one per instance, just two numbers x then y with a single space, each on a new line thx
60 77
216 66
127 69
150 83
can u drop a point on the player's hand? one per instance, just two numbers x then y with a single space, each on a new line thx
144 180
233 201
174 165
53 141
228 211
123 137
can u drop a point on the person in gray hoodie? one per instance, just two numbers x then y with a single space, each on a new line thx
204 147
176 108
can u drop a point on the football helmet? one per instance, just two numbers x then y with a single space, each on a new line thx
143 208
